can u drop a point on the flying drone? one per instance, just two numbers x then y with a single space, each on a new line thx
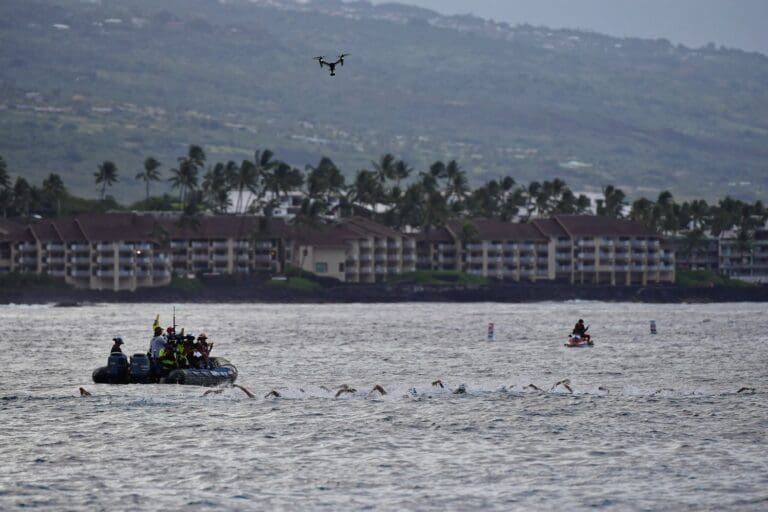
331 65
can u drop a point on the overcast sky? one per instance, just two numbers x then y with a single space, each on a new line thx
733 23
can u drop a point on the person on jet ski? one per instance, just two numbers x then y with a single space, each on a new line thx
581 331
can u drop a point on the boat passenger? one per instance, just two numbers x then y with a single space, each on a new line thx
204 347
168 357
158 342
581 331
116 347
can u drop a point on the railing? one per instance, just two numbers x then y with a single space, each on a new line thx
199 257
394 244
126 247
199 245
179 245
365 244
105 273
380 258
409 257
80 273
55 247
104 247
220 244
409 243
59 260
221 257
80 248
105 260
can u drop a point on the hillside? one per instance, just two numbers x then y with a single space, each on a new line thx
85 81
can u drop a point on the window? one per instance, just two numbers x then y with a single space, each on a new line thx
321 267
341 267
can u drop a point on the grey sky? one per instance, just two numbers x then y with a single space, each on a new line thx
733 23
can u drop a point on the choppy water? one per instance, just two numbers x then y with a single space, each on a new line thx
654 422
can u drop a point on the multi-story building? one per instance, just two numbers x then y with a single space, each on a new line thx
746 260
354 250
575 248
129 251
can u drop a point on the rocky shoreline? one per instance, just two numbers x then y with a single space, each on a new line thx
259 292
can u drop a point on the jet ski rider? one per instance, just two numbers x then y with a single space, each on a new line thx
581 331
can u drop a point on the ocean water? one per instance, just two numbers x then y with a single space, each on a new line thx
652 422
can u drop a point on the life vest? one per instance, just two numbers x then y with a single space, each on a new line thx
166 357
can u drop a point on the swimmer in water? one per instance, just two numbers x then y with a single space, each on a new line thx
378 388
742 390
534 387
84 392
437 383
565 383
344 389
272 394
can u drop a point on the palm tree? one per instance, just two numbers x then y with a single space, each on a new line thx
646 212
456 186
5 188
384 169
243 177
215 187
324 181
612 204
106 176
54 190
185 177
22 197
150 172
283 179
366 189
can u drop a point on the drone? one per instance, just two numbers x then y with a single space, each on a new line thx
331 65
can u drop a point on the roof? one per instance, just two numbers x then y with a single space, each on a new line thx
435 234
493 229
594 225
550 227
368 227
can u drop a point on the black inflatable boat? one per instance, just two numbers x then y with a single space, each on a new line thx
140 371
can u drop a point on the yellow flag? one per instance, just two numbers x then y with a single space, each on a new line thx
157 323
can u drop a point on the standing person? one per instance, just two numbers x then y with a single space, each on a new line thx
116 347
158 342
581 331
204 347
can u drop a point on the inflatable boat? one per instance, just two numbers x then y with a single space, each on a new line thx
140 370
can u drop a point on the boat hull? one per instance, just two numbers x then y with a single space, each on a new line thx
219 371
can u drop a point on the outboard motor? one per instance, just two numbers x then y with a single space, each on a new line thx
140 369
117 368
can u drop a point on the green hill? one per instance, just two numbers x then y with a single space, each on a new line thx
122 80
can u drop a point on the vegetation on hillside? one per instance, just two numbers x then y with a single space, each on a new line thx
87 83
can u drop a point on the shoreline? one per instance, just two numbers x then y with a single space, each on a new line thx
389 293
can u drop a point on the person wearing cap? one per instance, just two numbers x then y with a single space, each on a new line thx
204 347
116 347
158 342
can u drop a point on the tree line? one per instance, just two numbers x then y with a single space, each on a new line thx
390 192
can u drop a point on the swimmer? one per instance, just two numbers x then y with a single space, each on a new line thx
565 383
461 390
603 388
214 391
85 392
344 389
244 390
534 387
660 390
272 394
378 388
742 390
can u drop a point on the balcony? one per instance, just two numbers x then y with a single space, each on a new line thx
586 268
261 258
242 258
394 244
105 273
79 248
80 273
26 260
240 244
409 243
263 244
178 244
199 257
365 269
409 257
199 245
27 247
365 258
104 247
474 247
365 244
223 258
124 274
56 261
380 258
55 247
219 244
563 268
127 248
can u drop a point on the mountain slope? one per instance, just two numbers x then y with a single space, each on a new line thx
122 80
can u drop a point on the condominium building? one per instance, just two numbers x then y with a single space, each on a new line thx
354 250
744 260
128 251
574 248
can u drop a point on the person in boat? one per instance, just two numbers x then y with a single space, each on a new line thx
167 357
116 346
157 343
581 331
204 348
